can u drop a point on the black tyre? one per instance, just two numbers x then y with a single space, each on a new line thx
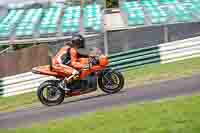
111 81
54 94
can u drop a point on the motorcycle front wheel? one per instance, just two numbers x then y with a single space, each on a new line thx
111 81
50 94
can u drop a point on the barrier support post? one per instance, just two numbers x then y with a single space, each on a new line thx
106 42
166 38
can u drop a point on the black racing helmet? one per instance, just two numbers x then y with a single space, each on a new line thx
78 40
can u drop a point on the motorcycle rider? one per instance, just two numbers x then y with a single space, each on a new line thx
67 60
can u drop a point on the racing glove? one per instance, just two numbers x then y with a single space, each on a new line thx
75 72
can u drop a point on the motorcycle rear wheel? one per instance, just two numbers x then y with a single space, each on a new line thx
53 88
111 81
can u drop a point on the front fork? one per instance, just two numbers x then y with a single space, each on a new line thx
106 72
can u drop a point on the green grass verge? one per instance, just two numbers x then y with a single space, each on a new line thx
10 103
158 72
173 116
140 76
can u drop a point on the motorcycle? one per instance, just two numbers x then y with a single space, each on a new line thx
99 75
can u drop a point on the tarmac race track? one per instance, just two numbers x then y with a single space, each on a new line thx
166 89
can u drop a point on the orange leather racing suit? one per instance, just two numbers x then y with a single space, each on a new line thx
75 64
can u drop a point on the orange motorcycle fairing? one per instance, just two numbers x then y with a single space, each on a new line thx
46 70
94 68
103 61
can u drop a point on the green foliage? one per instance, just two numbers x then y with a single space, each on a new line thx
21 46
112 3
2 47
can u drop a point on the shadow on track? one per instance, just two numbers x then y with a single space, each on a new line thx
90 97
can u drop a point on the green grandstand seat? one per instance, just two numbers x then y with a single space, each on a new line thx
135 17
10 15
180 10
185 1
92 17
76 15
17 16
70 28
76 24
73 29
28 33
51 30
131 4
185 18
48 23
65 30
8 21
70 19
55 5
147 3
197 4
135 22
157 15
24 33
27 24
168 1
193 7
4 33
195 1
159 20
181 14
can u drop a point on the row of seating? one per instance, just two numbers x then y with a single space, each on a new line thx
7 22
50 20
168 1
153 3
135 17
70 21
158 14
135 3
92 17
56 18
29 22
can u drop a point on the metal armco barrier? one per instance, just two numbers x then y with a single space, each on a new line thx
163 53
